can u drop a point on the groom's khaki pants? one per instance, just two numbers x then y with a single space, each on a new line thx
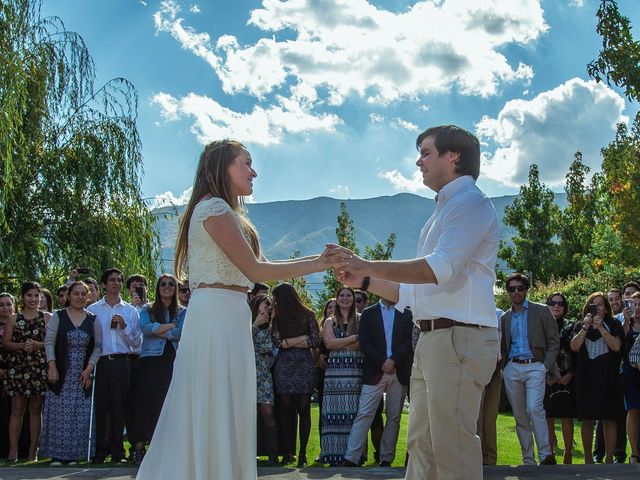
451 367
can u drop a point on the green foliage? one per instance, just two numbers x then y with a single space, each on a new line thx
71 162
534 215
619 59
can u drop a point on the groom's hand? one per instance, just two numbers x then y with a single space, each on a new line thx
347 278
345 260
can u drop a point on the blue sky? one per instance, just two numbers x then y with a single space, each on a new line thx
329 95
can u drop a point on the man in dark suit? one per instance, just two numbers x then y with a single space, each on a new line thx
530 344
385 340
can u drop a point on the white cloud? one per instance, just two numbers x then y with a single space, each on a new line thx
376 118
577 3
548 130
340 190
264 126
403 124
195 8
401 183
347 47
167 199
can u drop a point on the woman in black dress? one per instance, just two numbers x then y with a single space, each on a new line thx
295 332
597 340
560 395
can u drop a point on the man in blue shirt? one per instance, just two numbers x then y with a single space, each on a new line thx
530 344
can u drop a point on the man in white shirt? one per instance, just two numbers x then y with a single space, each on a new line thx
119 324
449 289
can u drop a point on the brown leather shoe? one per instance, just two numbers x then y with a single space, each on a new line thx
347 463
549 460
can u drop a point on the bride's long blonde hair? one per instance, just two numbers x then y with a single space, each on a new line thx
212 179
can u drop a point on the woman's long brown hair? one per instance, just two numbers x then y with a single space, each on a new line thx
212 179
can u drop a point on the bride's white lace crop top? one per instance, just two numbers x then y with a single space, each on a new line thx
207 261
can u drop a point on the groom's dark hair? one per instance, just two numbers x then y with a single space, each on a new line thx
451 138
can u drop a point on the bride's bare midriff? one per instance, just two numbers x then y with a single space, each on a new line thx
235 288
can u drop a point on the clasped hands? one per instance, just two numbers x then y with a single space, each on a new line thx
348 267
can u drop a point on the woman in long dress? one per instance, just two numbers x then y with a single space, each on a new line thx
207 427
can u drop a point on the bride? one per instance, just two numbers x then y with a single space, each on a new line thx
207 428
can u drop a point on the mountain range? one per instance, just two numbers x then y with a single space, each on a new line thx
307 225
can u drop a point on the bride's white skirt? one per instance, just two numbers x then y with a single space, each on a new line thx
207 428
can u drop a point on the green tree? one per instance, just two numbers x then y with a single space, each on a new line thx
71 162
533 214
577 221
621 186
619 58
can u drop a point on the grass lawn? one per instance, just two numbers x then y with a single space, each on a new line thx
508 446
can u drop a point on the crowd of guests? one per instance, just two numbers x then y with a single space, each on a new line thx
81 372
586 370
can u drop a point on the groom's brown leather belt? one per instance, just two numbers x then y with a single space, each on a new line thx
438 323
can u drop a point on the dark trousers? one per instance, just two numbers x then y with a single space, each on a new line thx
112 385
130 403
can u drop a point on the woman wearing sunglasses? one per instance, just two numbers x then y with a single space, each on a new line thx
261 329
560 395
161 324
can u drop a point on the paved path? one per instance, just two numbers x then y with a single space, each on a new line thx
559 472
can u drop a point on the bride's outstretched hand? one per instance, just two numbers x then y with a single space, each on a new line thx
347 278
344 260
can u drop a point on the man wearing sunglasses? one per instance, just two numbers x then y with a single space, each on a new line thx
530 344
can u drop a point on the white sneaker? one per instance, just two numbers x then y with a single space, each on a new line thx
56 464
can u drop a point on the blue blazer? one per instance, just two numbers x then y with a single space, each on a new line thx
374 346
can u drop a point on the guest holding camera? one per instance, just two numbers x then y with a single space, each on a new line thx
597 340
26 367
261 330
161 324
630 374
72 353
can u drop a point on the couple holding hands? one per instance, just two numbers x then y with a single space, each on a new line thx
207 426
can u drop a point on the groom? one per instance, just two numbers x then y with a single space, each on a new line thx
449 289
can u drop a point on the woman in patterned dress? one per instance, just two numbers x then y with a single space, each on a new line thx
343 378
294 332
26 378
261 329
598 339
7 309
73 348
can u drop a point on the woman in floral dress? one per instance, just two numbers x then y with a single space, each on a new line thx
26 378
261 329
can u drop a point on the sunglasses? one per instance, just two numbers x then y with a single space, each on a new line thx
184 290
553 303
519 288
167 284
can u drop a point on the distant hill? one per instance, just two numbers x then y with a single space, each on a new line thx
307 225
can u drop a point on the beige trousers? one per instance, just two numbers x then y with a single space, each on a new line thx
451 367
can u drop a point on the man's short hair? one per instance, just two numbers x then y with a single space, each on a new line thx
451 138
136 277
62 288
520 277
107 273
631 284
92 281
362 293
615 290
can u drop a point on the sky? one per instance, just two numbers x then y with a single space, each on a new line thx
330 95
